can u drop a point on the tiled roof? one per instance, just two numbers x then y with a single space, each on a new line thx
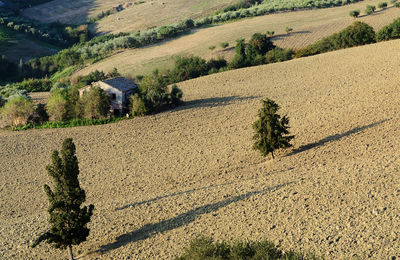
121 83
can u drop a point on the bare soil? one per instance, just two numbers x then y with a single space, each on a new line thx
158 181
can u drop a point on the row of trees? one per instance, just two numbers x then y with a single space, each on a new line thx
55 33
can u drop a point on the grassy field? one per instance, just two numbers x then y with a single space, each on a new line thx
140 16
158 181
309 26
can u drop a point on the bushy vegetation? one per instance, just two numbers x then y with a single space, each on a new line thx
28 85
271 130
354 35
382 5
95 103
206 248
69 123
153 96
355 13
370 9
390 31
55 33
251 8
17 111
278 55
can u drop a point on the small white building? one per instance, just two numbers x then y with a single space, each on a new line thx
119 90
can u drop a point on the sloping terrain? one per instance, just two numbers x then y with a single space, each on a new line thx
309 27
139 16
158 181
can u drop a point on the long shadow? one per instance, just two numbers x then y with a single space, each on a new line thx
181 220
214 102
171 195
335 137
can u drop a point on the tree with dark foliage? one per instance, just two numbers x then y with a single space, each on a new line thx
68 220
271 131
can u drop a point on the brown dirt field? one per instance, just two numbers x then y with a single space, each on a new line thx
309 27
142 16
158 181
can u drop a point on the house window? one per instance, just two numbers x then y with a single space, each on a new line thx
113 96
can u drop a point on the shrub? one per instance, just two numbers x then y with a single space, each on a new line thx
354 35
370 9
382 5
212 47
270 33
258 45
58 106
2 101
355 13
224 45
271 131
239 60
153 96
187 68
390 31
206 248
288 30
95 103
397 4
279 55
17 111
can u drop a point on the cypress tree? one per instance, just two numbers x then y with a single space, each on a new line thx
68 220
239 60
270 129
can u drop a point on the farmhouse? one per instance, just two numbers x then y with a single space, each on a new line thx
119 90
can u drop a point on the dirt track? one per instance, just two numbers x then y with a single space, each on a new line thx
160 180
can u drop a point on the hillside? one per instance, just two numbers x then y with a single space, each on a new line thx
160 180
139 16
16 46
309 26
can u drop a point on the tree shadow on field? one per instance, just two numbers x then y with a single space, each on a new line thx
214 102
282 36
334 137
172 195
183 219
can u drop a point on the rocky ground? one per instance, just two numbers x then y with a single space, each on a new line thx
159 181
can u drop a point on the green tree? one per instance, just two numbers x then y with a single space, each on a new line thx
239 60
17 111
58 107
355 13
67 219
370 9
258 46
271 131
95 103
382 5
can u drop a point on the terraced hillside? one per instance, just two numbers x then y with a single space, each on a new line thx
158 181
309 26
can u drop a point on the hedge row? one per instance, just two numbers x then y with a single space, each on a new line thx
55 33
